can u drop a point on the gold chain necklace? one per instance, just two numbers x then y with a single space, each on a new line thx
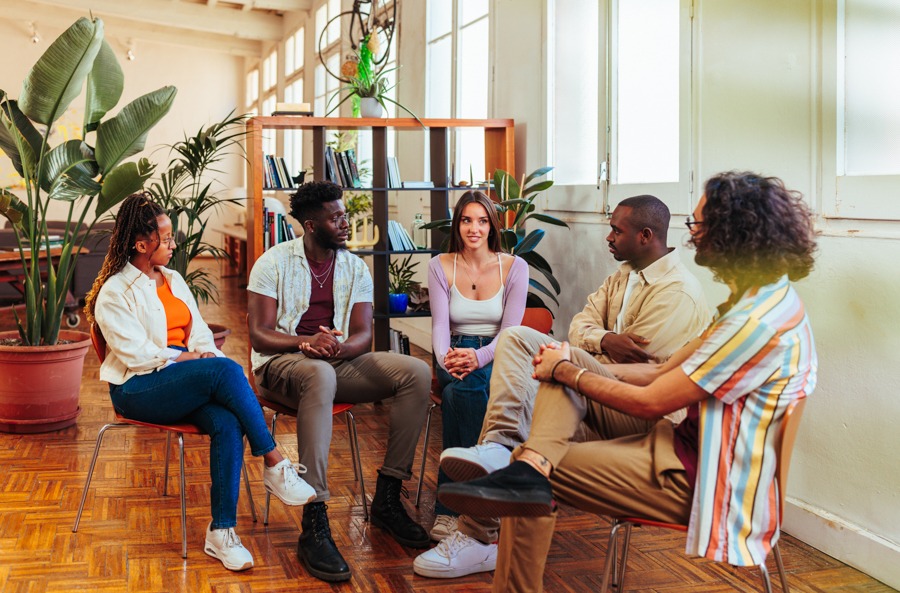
466 270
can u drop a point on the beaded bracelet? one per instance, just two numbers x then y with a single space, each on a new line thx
556 364
578 380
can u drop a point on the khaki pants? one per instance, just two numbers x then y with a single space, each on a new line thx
312 386
632 472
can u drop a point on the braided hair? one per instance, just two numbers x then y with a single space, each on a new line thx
136 218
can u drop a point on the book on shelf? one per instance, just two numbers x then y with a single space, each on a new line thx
276 173
354 170
276 229
399 342
393 172
398 238
418 184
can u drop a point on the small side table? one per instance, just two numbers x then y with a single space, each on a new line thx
235 238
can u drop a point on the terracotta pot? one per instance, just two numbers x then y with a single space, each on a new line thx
220 332
39 385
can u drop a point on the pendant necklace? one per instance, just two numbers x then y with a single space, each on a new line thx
466 269
323 277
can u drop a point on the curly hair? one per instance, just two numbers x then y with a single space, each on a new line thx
476 197
754 230
309 199
136 218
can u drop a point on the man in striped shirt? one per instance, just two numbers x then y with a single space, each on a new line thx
716 469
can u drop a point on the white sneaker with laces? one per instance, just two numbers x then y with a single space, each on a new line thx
456 556
444 526
462 464
285 483
225 545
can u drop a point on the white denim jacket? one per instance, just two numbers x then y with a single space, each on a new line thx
133 321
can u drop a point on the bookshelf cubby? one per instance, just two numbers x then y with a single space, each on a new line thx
499 149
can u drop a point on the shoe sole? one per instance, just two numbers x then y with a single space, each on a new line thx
331 577
401 540
211 552
290 503
451 573
482 505
462 470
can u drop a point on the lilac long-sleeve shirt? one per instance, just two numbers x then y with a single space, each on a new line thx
514 294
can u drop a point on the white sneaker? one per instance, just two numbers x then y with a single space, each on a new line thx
462 464
444 526
225 545
456 556
285 483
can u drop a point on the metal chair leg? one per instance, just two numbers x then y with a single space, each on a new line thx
183 502
612 553
354 451
780 564
247 487
166 474
620 579
90 475
424 452
614 567
268 495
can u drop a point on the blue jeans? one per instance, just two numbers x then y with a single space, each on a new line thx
212 393
464 405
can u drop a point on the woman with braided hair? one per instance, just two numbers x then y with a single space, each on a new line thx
163 367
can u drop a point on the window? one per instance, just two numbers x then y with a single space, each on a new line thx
627 130
458 76
252 90
270 71
293 52
268 106
867 135
293 93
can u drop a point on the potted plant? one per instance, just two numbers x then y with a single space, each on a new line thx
401 283
368 85
91 176
515 208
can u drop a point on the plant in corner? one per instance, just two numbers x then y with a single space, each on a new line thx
185 191
515 208
401 283
88 176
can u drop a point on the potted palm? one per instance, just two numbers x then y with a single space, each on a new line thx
515 208
89 175
401 284
190 196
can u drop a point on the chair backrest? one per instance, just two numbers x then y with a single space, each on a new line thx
538 318
789 425
98 341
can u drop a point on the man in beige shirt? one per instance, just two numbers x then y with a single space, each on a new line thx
649 308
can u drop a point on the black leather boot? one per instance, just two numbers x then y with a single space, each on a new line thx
389 514
316 549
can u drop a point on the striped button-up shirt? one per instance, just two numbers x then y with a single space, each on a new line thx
755 360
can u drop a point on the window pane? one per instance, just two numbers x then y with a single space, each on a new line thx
334 29
289 56
470 10
252 87
439 75
299 45
574 96
469 160
321 20
439 18
647 76
871 110
472 86
320 90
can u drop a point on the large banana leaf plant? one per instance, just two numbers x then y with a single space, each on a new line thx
189 196
515 208
90 176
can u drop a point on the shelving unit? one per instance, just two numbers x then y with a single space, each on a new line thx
499 149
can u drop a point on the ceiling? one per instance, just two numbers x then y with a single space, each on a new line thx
240 27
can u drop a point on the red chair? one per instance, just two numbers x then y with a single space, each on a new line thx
336 409
617 556
536 318
179 429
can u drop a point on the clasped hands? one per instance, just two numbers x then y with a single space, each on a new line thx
459 362
323 345
545 360
186 356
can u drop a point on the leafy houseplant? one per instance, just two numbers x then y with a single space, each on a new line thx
364 82
401 283
85 174
515 208
189 197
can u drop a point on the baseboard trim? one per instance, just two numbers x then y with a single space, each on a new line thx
851 544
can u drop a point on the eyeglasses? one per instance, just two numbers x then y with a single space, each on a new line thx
339 220
691 224
170 241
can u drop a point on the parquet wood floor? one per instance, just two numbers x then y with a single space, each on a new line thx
129 537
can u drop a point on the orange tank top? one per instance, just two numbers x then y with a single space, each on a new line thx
178 316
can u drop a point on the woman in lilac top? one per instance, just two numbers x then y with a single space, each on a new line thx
475 291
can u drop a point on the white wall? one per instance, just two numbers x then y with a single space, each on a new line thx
209 86
758 105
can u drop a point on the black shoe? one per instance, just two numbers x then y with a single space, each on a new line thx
389 514
316 549
517 490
